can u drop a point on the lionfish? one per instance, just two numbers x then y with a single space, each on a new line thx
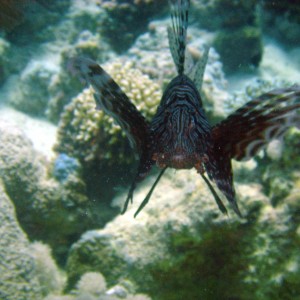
180 135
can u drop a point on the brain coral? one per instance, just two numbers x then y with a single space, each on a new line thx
88 134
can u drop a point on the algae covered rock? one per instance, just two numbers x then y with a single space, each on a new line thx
240 49
65 86
50 277
273 261
238 35
4 59
44 84
181 225
281 20
90 135
27 271
278 168
18 276
254 88
127 20
220 14
180 245
47 210
32 91
92 286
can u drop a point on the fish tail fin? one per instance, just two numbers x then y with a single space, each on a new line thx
177 33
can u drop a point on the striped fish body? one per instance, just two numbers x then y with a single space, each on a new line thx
180 131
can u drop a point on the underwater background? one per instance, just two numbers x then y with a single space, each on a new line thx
65 167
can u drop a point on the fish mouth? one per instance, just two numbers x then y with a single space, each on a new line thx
181 161
178 160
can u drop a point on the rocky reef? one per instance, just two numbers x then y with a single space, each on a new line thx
18 279
61 235
128 19
43 203
179 241
216 14
238 37
239 49
282 20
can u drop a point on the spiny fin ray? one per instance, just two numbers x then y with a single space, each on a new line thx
177 34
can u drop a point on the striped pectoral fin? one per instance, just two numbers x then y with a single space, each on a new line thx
112 100
259 121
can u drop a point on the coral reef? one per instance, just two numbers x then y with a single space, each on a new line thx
85 18
65 86
27 271
238 39
90 135
178 241
47 210
127 20
221 14
193 212
50 277
180 246
45 78
92 286
35 21
239 49
65 165
47 82
279 172
281 20
18 277
34 83
253 89
4 64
